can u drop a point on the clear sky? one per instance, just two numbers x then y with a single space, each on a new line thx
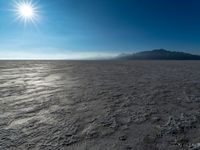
74 29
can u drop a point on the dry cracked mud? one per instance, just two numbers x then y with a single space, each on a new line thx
99 105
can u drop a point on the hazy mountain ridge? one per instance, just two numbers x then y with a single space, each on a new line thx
159 54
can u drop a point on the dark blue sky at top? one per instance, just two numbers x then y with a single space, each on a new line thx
78 27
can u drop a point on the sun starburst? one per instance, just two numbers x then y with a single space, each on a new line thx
26 11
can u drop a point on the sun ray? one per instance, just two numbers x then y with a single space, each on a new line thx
26 11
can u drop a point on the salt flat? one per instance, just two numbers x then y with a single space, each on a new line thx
99 105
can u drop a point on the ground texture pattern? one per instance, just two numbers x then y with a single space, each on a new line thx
99 105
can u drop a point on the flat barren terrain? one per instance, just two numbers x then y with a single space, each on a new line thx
99 105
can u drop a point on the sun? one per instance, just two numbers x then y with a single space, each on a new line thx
26 11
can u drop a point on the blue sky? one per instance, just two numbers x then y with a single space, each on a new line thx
75 29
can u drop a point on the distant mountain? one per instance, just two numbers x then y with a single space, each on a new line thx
159 54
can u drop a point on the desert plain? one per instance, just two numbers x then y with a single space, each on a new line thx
99 105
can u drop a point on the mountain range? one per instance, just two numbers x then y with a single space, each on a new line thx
159 54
